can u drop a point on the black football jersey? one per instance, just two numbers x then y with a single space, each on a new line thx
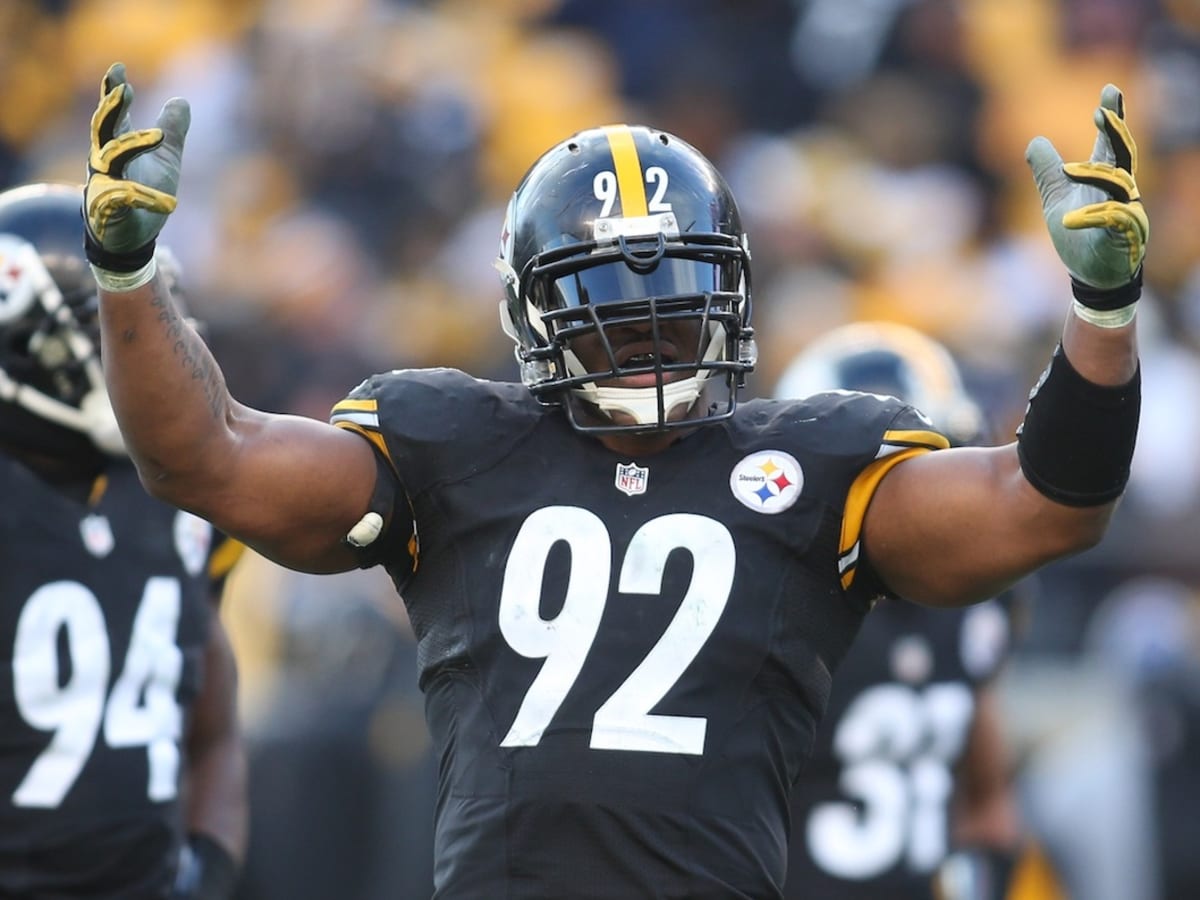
624 659
103 624
870 814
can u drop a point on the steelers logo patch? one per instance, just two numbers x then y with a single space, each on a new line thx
768 481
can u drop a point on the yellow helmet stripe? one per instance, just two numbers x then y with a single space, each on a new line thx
630 185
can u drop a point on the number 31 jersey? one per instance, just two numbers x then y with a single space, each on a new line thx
624 659
103 622
871 816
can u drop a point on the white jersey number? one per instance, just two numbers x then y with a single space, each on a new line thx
71 701
624 720
898 746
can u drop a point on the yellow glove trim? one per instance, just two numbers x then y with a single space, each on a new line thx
103 121
1121 139
110 103
1127 219
104 153
1105 177
101 159
108 197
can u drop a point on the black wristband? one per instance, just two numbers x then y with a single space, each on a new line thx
1111 298
207 870
115 262
1076 443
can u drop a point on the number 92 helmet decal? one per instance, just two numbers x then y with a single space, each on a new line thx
626 241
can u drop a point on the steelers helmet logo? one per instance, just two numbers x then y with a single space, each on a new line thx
768 481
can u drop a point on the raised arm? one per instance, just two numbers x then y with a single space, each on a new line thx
961 525
289 487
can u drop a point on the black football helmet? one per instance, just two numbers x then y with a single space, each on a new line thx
891 359
53 400
626 227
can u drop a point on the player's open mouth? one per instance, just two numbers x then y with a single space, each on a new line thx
639 357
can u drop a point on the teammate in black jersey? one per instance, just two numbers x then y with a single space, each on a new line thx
121 767
909 762
629 590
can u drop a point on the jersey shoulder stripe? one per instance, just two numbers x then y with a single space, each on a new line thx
899 439
225 554
356 412
872 434
857 501
427 422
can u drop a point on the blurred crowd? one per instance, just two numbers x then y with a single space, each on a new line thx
344 183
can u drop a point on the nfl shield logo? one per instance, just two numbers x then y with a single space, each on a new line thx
631 478
97 535
193 540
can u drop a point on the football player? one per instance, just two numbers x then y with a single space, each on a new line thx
121 762
629 590
909 761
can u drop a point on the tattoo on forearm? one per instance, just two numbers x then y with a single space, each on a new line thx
191 352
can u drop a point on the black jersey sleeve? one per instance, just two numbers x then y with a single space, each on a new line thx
394 542
873 434
426 425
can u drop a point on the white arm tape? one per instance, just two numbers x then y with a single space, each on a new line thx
120 282
1105 318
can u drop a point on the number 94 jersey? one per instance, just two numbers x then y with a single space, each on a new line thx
104 617
623 658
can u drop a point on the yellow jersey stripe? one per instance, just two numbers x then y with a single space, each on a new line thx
225 558
630 185
859 497
931 439
414 550
373 436
99 486
357 405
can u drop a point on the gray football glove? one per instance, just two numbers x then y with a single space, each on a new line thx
133 176
1093 209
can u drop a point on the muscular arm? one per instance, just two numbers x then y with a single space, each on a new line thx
216 763
961 525
287 486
